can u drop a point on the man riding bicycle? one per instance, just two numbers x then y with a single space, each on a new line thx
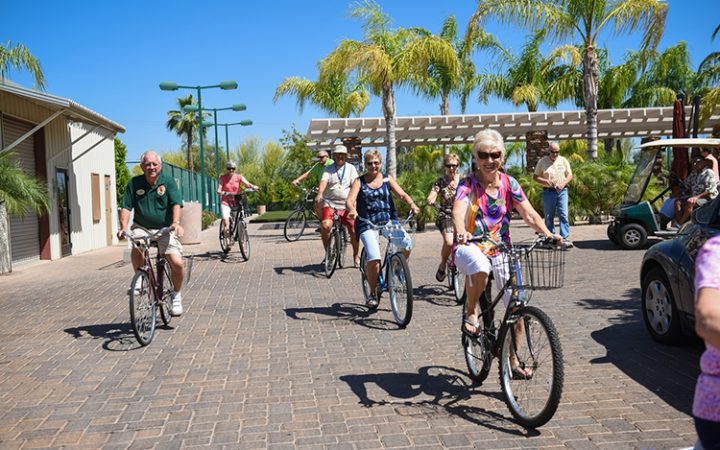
316 171
156 202
228 187
337 178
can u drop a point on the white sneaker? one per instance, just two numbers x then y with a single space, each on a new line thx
177 308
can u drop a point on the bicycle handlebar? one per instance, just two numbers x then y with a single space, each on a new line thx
539 240
140 240
378 227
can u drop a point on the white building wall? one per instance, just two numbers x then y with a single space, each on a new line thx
95 153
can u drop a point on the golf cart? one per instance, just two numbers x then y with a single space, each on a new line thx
636 219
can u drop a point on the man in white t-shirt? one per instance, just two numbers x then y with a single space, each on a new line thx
553 172
337 179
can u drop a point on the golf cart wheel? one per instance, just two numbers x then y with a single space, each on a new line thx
632 236
611 234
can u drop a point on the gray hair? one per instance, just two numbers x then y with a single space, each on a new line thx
372 153
489 139
148 153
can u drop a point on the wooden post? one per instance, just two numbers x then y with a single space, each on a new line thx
536 146
353 144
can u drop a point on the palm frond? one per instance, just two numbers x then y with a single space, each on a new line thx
630 15
19 57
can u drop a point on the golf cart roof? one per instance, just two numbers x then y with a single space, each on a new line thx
682 142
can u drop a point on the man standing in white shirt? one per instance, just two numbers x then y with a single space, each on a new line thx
337 179
553 172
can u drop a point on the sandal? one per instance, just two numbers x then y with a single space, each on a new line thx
440 274
473 323
520 373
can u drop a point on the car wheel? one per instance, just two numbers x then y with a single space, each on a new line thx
611 234
632 236
658 308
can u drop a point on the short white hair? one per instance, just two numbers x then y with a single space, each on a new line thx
487 139
148 153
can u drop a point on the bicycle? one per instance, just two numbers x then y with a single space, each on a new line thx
396 280
455 279
532 397
151 288
297 220
238 228
335 250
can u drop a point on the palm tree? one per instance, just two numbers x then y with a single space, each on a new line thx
19 57
334 94
185 125
709 75
666 74
387 58
19 193
584 19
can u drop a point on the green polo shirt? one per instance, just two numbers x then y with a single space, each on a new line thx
318 169
152 204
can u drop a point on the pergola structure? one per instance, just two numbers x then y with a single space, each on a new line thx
460 129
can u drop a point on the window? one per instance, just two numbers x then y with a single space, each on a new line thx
95 187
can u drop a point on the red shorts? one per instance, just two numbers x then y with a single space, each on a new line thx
327 214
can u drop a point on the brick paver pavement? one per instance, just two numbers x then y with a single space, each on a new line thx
271 354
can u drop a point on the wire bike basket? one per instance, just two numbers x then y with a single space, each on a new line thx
542 267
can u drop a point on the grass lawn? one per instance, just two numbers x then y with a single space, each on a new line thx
271 216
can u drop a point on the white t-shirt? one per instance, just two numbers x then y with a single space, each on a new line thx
339 180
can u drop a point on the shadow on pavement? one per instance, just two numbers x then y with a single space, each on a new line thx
314 270
670 372
600 244
231 257
435 294
447 387
118 336
351 312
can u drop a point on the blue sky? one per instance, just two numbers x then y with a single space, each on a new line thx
110 56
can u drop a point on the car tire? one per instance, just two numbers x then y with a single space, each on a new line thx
632 236
611 234
659 310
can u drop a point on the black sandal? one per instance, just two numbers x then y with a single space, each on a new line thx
440 274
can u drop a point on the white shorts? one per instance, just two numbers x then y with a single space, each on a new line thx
225 211
469 259
167 244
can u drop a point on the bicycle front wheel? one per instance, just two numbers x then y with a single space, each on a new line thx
459 286
532 388
295 225
243 240
400 289
225 238
168 288
342 241
142 307
331 254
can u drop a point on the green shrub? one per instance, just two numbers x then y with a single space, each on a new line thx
208 218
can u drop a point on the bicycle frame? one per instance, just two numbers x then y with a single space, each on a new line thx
155 273
384 266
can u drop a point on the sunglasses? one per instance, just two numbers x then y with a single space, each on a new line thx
554 153
486 155
231 169
451 166
373 163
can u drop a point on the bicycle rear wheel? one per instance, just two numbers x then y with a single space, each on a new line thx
331 253
168 289
295 225
478 349
532 397
142 308
225 241
400 289
450 272
363 277
459 286
243 240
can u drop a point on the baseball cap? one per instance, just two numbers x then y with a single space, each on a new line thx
340 149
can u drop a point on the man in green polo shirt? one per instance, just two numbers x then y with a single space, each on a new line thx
316 171
156 202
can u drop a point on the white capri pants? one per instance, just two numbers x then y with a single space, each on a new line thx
470 260
225 211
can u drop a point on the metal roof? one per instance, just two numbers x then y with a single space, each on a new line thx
75 110
460 129
683 142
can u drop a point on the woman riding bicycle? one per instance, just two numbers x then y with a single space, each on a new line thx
370 199
483 204
444 189
229 186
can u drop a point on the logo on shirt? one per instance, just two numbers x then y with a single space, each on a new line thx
140 192
500 202
161 190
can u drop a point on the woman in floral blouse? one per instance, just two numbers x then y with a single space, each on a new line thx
444 189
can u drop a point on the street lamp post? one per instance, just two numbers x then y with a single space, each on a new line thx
225 85
244 123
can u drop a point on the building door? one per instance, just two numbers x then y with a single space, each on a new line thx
108 210
63 208
24 230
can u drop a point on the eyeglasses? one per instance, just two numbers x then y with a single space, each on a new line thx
451 166
554 153
373 163
486 155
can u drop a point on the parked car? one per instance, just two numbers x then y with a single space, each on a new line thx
667 277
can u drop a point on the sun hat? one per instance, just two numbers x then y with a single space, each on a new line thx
340 149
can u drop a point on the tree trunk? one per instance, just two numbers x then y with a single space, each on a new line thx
445 111
5 265
389 112
590 93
